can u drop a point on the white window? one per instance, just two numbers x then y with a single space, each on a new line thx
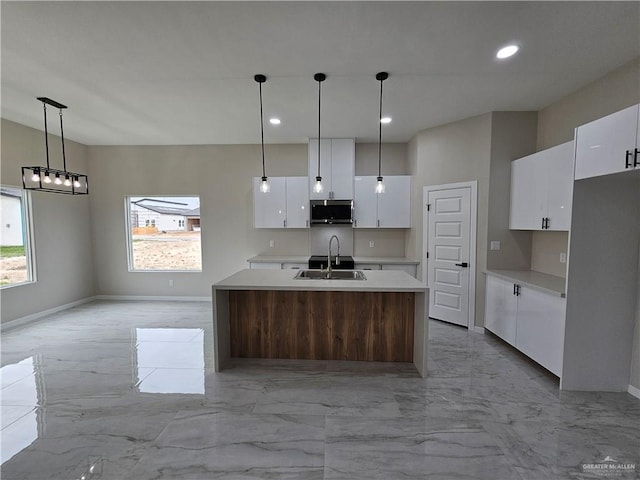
163 247
16 242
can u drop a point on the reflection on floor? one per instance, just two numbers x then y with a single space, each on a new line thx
116 390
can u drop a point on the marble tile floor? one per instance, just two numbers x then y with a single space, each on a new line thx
117 390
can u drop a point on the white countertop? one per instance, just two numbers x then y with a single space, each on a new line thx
377 281
541 281
305 259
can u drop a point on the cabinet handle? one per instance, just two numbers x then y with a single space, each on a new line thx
546 223
355 222
627 163
378 223
516 289
307 223
542 228
636 155
284 223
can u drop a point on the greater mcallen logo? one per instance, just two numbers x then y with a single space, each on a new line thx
609 467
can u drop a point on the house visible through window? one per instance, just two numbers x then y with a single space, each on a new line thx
16 265
164 233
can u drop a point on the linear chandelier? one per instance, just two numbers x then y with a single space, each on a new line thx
52 180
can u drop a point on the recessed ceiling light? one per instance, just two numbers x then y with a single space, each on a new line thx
508 51
274 121
385 120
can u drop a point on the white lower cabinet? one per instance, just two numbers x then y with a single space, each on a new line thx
540 328
529 319
501 309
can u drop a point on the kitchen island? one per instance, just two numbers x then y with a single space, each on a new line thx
271 314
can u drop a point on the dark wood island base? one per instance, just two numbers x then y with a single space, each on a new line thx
322 325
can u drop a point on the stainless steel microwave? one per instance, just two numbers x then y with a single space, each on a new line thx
331 212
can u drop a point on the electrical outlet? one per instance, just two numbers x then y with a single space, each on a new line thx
495 245
563 257
272 243
171 282
372 244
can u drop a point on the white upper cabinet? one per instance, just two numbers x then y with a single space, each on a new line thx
297 200
391 209
608 145
286 205
541 190
337 168
269 209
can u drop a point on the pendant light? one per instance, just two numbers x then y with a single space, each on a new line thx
319 77
381 76
264 185
39 178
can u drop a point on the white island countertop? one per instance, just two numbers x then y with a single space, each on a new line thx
377 281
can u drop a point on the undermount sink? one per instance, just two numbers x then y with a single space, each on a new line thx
335 275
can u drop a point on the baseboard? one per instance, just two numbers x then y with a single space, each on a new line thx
145 298
634 391
478 329
18 322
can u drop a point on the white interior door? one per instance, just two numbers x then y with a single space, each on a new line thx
449 259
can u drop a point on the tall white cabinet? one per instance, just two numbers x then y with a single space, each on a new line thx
337 168
541 190
286 205
391 209
608 145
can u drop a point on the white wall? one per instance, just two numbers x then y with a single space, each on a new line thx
62 226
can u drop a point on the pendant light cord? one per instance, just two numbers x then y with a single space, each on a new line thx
46 133
380 134
319 103
262 130
64 157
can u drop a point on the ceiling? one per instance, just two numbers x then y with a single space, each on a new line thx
160 73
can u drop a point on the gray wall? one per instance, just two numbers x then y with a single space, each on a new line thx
456 152
62 226
221 176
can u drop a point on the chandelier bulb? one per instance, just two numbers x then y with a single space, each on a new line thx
57 180
67 181
380 185
36 176
47 177
76 182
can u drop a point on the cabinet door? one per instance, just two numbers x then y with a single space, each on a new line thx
365 202
521 214
559 179
540 328
602 145
297 202
501 309
325 167
269 209
394 205
342 168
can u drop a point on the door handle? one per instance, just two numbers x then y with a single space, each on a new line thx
627 162
463 264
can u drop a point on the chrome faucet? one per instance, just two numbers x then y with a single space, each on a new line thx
329 272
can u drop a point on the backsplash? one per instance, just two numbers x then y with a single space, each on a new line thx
546 250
